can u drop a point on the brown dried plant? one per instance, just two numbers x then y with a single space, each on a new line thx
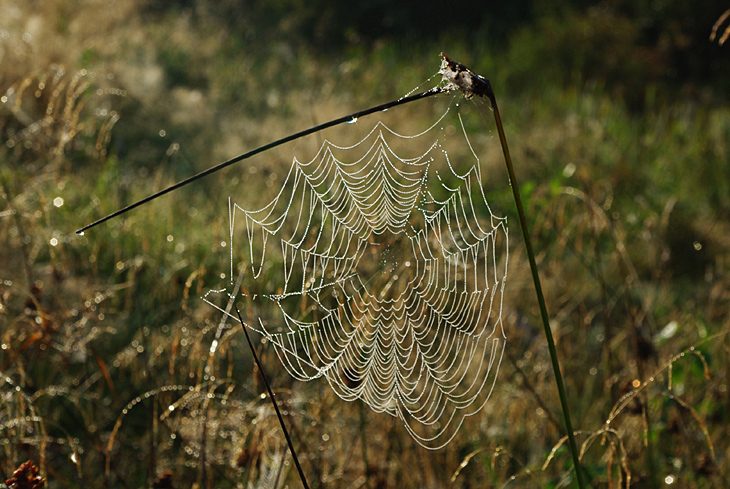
726 33
26 477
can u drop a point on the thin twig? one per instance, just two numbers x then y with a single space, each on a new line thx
717 25
273 401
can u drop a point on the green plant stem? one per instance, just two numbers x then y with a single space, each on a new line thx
538 289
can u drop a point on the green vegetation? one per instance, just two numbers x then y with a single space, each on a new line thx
618 120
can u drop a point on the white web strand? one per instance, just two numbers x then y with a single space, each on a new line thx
388 274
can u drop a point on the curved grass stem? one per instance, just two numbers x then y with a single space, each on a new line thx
341 120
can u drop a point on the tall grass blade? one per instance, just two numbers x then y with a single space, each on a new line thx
538 288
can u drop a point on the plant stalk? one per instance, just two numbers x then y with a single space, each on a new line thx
538 289
335 122
273 401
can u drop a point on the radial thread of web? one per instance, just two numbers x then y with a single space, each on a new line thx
388 274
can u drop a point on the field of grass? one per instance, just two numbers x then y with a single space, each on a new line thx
114 372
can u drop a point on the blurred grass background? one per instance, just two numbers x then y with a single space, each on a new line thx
618 117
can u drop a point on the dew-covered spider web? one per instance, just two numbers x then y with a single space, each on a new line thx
382 268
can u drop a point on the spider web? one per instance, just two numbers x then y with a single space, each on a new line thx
386 271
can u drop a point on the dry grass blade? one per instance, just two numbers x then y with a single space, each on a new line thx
717 25
629 397
697 418
609 434
464 463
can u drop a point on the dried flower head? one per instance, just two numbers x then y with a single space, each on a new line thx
459 77
25 477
